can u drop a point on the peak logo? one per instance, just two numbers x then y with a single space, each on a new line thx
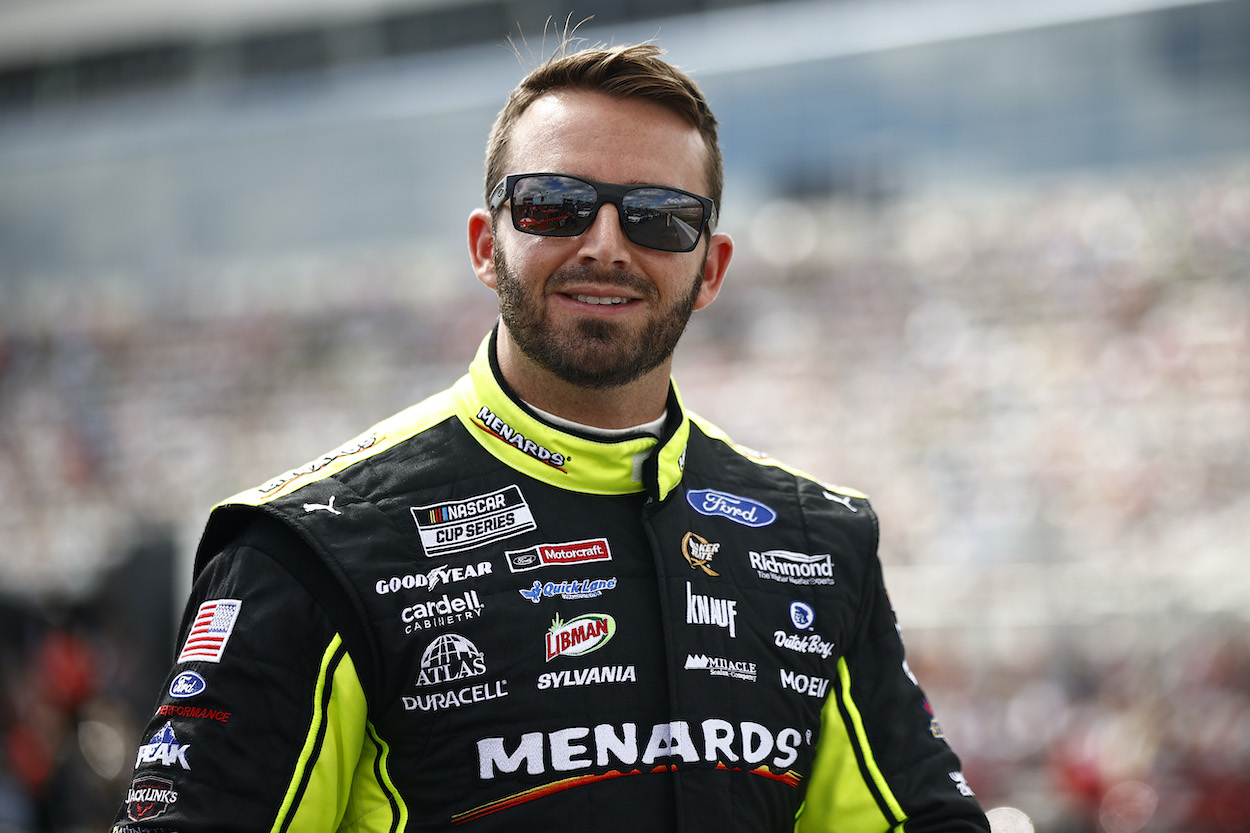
163 748
699 552
496 427
742 510
576 637
554 555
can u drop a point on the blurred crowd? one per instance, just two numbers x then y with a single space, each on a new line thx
1045 389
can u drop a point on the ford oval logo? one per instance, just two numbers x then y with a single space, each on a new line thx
736 508
187 684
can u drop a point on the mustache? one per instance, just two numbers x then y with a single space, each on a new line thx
569 276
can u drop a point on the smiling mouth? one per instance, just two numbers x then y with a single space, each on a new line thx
602 301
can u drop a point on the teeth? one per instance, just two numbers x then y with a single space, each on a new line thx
593 299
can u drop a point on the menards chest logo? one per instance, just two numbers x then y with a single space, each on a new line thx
490 423
588 632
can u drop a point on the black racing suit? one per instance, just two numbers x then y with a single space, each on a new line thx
467 618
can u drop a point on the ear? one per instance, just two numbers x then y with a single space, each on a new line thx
482 247
720 250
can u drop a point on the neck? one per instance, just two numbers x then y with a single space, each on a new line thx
625 406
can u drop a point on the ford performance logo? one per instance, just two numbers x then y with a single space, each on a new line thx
742 510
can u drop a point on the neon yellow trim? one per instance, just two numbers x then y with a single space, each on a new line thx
324 799
838 798
370 805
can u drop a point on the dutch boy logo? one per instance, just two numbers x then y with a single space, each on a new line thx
743 510
802 615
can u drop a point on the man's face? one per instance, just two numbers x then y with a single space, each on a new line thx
597 310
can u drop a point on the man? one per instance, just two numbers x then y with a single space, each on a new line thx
549 598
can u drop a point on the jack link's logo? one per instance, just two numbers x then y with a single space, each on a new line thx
496 427
709 610
163 748
588 632
699 552
736 508
148 798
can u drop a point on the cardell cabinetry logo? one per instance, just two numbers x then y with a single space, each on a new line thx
736 508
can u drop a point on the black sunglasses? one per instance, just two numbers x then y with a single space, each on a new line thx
559 205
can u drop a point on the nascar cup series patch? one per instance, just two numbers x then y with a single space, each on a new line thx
460 525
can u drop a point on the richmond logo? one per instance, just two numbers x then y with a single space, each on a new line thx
588 632
699 552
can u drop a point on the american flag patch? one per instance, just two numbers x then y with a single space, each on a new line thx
210 630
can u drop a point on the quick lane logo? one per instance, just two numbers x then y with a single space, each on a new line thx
163 748
445 611
149 798
496 427
555 555
586 633
699 552
804 684
442 574
793 567
320 463
588 676
721 667
459 525
709 610
736 508
584 588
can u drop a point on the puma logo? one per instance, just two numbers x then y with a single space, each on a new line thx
329 507
842 499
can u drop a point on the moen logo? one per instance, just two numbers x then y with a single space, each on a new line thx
804 684
496 427
699 552
736 508
588 632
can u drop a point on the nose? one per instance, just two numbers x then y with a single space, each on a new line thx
605 240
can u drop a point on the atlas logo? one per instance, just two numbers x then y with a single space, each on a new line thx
736 508
496 427
588 632
450 658
709 610
699 552
793 567
554 555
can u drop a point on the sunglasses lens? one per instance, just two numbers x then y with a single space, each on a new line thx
662 219
555 206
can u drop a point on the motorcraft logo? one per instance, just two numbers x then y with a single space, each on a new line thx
442 574
804 684
793 567
354 447
149 798
598 675
459 525
448 610
579 636
496 427
163 748
721 667
709 610
699 552
583 588
555 555
736 508
810 643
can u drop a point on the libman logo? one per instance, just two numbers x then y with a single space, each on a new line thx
588 632
489 422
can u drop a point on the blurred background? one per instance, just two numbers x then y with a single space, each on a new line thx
993 269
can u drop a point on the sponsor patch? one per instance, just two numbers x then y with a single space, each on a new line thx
459 525
187 684
598 675
793 567
448 610
583 588
354 447
149 798
214 622
718 504
163 748
496 427
809 643
802 615
195 712
721 667
699 552
455 698
579 636
442 574
449 658
804 684
554 555
709 610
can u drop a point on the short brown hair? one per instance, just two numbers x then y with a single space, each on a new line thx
630 71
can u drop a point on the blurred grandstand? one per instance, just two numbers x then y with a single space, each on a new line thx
993 269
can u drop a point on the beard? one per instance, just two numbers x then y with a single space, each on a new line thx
590 352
